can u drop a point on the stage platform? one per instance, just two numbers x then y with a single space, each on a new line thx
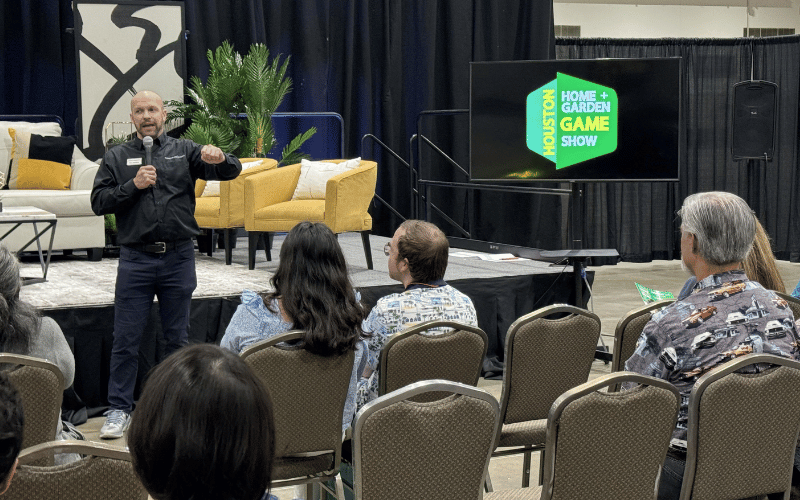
79 295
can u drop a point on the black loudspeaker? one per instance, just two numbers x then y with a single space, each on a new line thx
754 119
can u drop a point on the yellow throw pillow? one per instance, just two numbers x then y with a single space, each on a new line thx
42 174
30 146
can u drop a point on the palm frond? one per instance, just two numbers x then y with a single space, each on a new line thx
291 153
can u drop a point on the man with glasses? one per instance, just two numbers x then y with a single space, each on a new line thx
418 259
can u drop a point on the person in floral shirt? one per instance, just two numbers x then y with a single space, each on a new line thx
725 316
418 259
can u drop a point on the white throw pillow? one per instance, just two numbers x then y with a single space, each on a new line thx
6 144
212 187
314 177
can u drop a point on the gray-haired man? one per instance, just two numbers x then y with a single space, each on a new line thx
725 316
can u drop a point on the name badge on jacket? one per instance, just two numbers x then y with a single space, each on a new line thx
134 161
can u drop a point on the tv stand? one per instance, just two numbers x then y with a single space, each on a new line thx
576 258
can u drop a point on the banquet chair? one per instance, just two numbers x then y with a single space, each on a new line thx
748 424
225 212
269 208
543 359
308 394
627 333
406 449
605 444
103 473
40 384
414 355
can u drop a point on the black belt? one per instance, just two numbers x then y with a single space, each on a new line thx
157 246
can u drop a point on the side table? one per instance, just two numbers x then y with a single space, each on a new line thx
31 215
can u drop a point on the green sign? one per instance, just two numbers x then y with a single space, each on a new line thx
649 295
570 120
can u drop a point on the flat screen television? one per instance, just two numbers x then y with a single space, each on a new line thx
575 120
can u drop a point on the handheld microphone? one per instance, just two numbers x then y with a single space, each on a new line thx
148 150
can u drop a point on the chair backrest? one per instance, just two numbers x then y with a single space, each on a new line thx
41 387
742 430
609 444
794 303
418 354
308 393
104 473
405 449
628 330
544 358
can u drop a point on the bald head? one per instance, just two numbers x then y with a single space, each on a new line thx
146 95
148 114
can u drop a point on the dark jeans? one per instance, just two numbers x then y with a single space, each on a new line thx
669 487
140 277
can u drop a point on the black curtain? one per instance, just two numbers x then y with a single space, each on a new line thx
380 63
639 219
37 60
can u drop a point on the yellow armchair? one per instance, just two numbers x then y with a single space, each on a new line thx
226 211
269 208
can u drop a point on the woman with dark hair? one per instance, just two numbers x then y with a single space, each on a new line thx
203 428
311 292
24 331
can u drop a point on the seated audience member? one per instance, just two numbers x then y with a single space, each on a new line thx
24 331
311 292
759 266
717 231
418 259
12 421
203 428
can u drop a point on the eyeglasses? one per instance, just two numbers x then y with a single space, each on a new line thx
386 248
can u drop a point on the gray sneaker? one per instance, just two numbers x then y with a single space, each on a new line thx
117 422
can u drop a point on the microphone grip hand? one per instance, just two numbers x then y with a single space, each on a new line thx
145 177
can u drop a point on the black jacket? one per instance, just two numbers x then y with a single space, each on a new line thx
165 211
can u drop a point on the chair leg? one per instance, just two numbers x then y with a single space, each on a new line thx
541 467
339 488
252 245
526 468
211 243
309 491
228 249
268 244
367 249
487 483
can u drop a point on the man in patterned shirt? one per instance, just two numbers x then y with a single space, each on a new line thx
418 259
725 316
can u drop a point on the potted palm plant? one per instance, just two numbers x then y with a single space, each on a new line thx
233 109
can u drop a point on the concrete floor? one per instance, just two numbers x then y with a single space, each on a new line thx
613 294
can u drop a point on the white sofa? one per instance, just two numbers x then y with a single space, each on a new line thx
78 228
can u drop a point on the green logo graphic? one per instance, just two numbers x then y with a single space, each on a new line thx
570 120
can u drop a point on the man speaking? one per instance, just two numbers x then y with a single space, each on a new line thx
149 184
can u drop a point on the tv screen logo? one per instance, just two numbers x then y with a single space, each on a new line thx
570 120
